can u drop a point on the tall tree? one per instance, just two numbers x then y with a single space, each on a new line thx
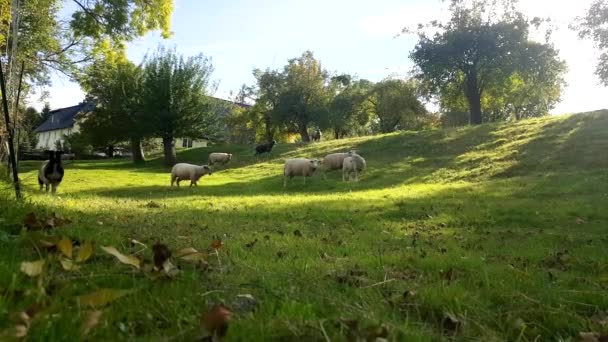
594 25
476 47
396 105
175 98
350 108
270 84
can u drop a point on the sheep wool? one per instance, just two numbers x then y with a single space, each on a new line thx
299 167
218 157
183 171
353 164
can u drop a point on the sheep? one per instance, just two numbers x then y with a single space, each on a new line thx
334 161
316 135
51 172
264 148
218 157
299 167
354 163
182 171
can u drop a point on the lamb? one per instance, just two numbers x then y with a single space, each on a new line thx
182 171
316 135
51 172
264 148
299 167
218 157
354 163
333 161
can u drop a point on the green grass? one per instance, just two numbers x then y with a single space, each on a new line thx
503 227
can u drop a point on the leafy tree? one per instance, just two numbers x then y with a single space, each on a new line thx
175 98
45 113
396 105
350 109
27 135
267 92
472 52
594 25
115 86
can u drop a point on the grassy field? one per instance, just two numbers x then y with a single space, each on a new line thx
496 232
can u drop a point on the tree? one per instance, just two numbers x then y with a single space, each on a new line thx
304 98
115 86
350 109
267 92
396 105
45 113
175 98
595 26
472 51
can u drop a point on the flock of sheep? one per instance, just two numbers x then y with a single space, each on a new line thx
51 172
349 162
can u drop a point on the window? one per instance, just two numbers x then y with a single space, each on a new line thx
186 142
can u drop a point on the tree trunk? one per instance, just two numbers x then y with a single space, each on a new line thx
336 134
268 130
137 151
304 133
110 151
474 98
169 150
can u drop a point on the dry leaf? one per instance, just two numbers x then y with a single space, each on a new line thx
31 222
161 254
170 269
125 259
85 252
217 244
69 265
56 221
102 297
33 268
185 251
91 321
198 256
216 320
65 246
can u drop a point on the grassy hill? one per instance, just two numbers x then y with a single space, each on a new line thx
496 232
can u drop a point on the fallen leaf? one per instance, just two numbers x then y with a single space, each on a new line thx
199 256
65 246
185 251
161 254
216 320
33 268
91 321
31 221
580 220
170 269
56 221
101 297
69 265
217 244
85 252
125 259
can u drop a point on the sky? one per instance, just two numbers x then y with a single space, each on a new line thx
348 36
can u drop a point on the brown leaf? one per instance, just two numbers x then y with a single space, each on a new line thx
91 321
31 222
170 269
216 319
56 221
185 251
65 246
33 268
85 252
161 254
217 244
69 265
125 259
101 297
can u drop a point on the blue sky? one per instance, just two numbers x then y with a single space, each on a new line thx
347 36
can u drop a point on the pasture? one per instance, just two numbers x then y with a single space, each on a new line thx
493 232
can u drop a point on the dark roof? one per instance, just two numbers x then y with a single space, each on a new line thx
64 117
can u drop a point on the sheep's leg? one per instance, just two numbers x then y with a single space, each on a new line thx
53 187
178 180
46 187
356 176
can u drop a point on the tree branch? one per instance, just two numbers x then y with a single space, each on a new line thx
88 12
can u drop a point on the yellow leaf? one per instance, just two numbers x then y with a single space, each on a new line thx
85 252
102 297
195 257
65 246
185 251
91 321
33 268
125 259
69 265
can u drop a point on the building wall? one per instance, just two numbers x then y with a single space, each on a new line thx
47 140
179 142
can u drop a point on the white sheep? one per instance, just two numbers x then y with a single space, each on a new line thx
333 161
299 167
218 157
354 163
183 171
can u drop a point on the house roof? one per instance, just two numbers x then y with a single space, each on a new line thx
64 117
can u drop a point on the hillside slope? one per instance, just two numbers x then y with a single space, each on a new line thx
495 232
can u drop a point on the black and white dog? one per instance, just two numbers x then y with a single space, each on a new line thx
51 171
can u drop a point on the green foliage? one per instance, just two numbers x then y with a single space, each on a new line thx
396 105
175 98
27 136
595 26
350 110
80 144
478 53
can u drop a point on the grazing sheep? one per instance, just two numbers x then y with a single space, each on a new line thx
264 148
299 167
51 171
354 163
218 157
183 171
316 135
333 161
